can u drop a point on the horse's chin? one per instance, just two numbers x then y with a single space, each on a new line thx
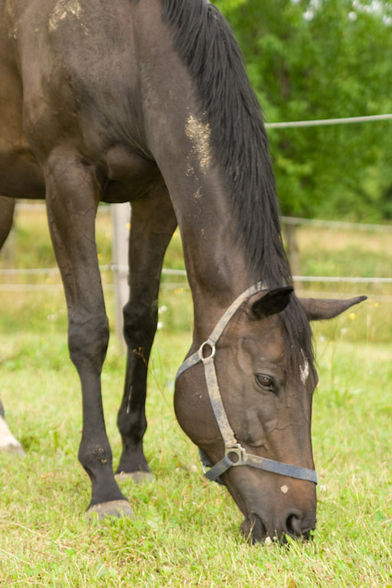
254 530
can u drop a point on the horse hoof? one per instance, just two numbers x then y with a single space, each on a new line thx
14 448
137 477
113 508
8 443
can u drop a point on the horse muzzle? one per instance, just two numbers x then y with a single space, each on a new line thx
293 523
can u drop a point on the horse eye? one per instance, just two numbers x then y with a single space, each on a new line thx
265 382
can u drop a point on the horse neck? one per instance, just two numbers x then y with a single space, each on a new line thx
217 268
216 265
177 135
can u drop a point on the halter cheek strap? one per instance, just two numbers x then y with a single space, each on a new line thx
235 455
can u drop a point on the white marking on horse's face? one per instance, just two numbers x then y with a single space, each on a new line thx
304 371
199 134
62 10
7 440
284 489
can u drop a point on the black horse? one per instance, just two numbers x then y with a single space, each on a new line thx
147 101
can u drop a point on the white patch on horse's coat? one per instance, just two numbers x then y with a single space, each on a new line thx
61 11
13 31
284 489
304 371
189 170
7 440
199 134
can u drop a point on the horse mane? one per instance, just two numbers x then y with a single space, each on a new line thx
206 45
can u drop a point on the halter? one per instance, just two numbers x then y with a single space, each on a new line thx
235 454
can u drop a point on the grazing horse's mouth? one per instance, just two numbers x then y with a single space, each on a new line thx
254 530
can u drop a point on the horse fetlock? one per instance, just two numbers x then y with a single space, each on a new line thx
93 457
101 455
132 460
104 486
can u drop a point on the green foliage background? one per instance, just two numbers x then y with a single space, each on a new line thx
312 59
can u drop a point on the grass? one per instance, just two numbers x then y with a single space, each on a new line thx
185 531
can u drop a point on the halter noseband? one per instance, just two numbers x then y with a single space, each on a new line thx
235 454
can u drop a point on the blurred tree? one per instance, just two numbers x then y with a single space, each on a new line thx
310 59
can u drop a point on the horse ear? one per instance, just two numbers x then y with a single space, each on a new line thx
325 308
270 302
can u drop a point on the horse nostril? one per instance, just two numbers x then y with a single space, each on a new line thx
293 524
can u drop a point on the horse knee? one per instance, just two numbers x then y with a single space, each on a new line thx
88 341
140 322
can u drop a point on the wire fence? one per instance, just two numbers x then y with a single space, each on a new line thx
182 272
336 225
115 268
293 221
52 271
290 221
329 121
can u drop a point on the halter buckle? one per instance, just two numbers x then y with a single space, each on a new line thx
235 454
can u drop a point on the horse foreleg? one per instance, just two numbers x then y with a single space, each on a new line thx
152 226
72 199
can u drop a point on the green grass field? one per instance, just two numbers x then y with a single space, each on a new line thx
185 531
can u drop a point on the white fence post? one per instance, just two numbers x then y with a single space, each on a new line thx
121 218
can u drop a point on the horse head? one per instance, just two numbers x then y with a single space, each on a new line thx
247 401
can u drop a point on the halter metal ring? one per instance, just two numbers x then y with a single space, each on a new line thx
204 347
238 451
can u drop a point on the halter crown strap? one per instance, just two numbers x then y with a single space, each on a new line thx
235 454
219 328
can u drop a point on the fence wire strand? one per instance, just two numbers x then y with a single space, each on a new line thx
329 121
